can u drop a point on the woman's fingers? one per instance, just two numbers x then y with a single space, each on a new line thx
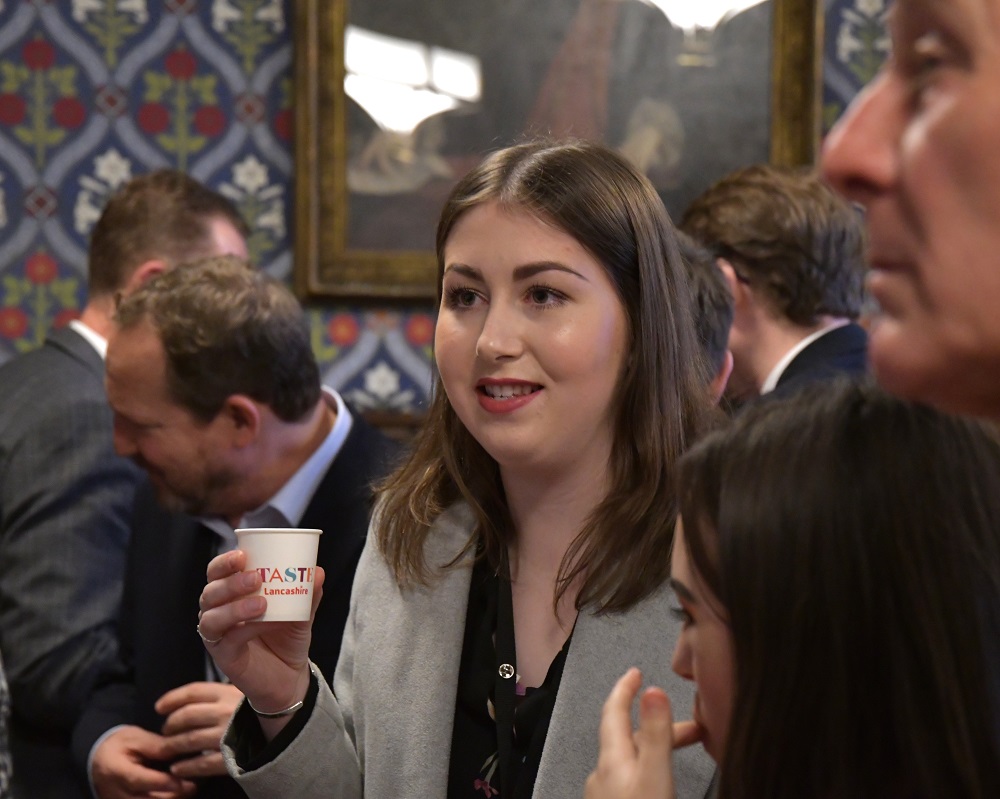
686 733
634 765
230 598
615 730
226 584
225 564
655 737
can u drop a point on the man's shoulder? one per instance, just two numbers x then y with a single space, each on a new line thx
376 450
65 357
848 337
365 457
841 350
50 387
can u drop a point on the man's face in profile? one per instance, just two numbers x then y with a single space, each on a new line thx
185 458
918 149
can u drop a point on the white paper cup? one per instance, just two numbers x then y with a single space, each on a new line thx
285 557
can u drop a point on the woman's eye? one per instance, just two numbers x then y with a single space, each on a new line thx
460 297
543 295
682 616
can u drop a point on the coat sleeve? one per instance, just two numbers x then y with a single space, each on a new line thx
324 758
320 761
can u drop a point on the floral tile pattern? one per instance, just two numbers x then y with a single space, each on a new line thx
856 43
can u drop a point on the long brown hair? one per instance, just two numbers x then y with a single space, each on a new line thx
620 556
852 540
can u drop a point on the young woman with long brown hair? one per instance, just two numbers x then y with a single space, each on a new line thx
517 562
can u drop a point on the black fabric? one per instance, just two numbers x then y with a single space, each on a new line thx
843 350
252 749
474 767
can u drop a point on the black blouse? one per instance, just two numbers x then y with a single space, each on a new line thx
474 769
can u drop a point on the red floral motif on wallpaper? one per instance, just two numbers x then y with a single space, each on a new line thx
181 109
39 99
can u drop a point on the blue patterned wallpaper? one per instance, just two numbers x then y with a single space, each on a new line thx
856 43
94 91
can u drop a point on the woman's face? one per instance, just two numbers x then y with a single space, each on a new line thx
704 650
918 149
530 341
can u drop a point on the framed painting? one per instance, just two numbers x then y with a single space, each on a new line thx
396 99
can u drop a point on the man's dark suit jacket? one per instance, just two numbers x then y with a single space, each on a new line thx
843 350
166 574
65 503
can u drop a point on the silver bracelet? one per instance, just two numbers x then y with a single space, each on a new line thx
288 711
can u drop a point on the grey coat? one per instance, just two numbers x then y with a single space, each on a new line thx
387 732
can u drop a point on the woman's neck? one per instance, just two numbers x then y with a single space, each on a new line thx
548 515
548 512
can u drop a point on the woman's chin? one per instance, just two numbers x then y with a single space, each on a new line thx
709 742
709 746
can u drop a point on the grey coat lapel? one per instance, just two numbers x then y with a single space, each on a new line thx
603 648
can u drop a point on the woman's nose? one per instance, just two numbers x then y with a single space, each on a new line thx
500 336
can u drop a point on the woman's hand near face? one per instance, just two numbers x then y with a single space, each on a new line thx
267 661
637 764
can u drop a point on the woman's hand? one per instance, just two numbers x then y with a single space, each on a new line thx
639 764
267 661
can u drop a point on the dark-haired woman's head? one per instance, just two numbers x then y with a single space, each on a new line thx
848 543
596 198
562 287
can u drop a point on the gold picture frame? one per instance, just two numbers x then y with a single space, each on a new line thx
329 265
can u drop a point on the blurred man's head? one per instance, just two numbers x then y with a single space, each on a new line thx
155 222
792 253
207 358
918 149
712 310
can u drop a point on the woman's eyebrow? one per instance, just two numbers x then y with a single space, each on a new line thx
462 269
528 271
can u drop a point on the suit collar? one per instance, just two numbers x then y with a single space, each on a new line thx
844 349
295 496
77 347
95 339
339 488
774 377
